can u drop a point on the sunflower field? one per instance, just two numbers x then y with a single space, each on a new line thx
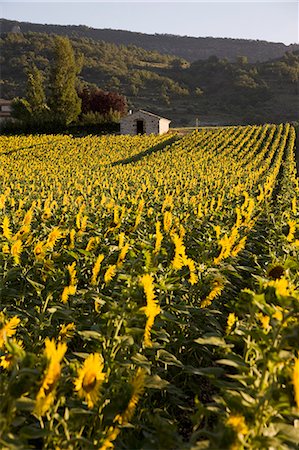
149 291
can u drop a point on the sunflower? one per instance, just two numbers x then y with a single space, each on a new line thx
90 378
8 329
53 237
152 309
110 273
46 393
67 331
16 352
6 228
276 272
16 250
96 269
126 416
39 250
237 422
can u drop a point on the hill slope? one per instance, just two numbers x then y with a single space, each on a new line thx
190 48
215 90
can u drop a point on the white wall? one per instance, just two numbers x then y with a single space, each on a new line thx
164 126
152 124
5 108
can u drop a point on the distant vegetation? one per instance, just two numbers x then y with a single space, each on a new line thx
66 101
214 90
190 48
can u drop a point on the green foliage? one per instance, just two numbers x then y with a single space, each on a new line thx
187 47
94 118
64 103
198 91
36 96
220 371
21 110
234 92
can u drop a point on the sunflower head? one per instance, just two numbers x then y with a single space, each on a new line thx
276 272
90 378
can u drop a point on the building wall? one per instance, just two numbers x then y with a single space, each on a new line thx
164 126
5 108
151 124
5 113
128 125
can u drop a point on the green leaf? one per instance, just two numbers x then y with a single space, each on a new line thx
89 335
236 362
127 339
201 445
79 411
81 354
141 360
212 340
25 404
288 432
155 382
32 432
168 358
73 254
37 286
204 371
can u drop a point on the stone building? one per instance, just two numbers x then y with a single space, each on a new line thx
5 109
143 122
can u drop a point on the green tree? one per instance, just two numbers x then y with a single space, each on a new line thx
242 60
36 96
20 110
164 94
64 103
198 91
32 110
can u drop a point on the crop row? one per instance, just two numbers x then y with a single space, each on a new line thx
148 290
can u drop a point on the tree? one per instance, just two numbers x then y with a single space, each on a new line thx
198 91
164 94
114 84
64 103
20 109
177 64
242 60
105 103
32 110
35 90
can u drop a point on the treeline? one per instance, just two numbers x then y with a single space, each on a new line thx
57 99
107 65
189 48
256 93
215 90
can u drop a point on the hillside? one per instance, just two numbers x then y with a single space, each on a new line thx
215 90
189 48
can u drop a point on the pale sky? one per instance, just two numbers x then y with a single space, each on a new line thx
274 20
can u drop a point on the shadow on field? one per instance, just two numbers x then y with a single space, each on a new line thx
15 150
149 151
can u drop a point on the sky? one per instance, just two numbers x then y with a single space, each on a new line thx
271 20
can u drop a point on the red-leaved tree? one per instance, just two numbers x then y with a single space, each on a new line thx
103 102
